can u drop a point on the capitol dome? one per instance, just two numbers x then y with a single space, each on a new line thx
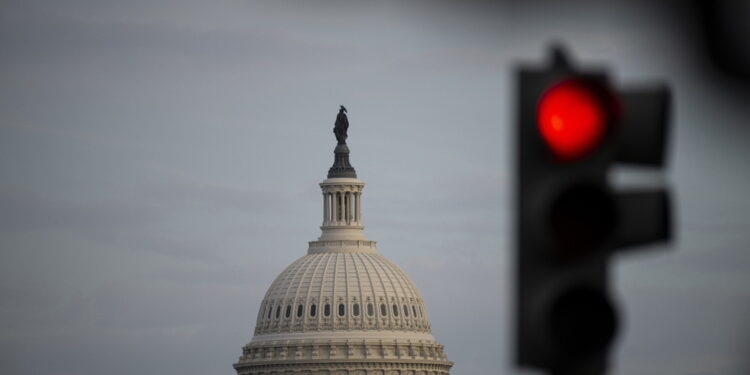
342 308
341 290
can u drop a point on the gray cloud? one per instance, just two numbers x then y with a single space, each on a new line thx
159 162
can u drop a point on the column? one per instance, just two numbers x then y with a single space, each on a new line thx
348 206
343 207
335 207
339 207
325 208
359 208
354 208
330 207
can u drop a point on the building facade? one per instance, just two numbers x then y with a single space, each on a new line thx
342 308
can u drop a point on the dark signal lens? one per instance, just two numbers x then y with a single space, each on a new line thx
583 322
572 118
582 218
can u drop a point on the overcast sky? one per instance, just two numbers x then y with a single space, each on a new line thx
159 165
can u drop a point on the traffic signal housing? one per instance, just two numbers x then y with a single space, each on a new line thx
572 127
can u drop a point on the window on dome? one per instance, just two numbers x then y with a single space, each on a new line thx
278 311
300 308
355 309
414 310
313 309
370 310
406 311
342 309
420 312
383 310
395 310
270 310
327 310
288 311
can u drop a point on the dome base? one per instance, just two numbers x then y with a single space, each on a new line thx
346 368
319 356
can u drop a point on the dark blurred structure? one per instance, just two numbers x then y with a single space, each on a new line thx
726 29
573 126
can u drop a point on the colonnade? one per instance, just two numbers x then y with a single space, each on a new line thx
342 208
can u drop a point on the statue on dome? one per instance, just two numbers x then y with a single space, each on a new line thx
341 126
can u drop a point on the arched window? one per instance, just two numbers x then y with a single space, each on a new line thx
270 310
406 311
278 311
288 311
355 309
300 308
414 310
327 310
383 309
313 309
370 310
395 310
342 309
420 312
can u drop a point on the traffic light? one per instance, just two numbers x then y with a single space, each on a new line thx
572 127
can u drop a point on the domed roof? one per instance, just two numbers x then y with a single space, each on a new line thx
343 306
354 290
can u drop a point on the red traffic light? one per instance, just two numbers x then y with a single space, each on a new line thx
572 117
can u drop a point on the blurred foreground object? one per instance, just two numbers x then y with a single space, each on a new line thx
727 35
572 127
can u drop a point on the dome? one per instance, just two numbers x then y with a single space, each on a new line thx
354 290
342 308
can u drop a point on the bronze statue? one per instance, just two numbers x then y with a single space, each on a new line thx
341 126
